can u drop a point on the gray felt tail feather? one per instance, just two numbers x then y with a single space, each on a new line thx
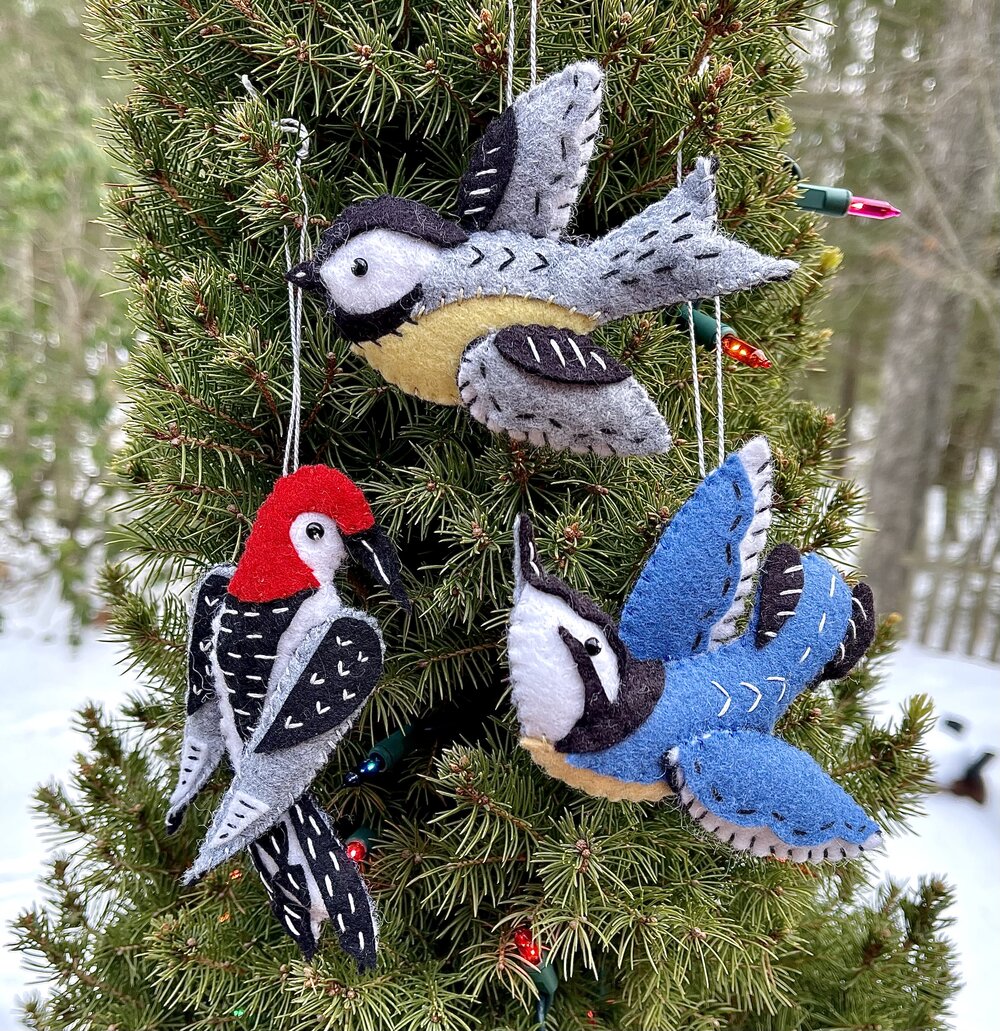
669 253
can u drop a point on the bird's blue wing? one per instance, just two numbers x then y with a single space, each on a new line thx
694 586
760 794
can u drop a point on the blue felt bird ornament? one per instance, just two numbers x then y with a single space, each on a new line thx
672 699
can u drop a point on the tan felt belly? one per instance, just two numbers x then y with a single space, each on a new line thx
596 784
423 360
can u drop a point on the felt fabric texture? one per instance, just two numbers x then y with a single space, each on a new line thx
694 586
752 780
203 745
596 418
330 676
310 879
621 729
559 356
423 358
279 668
270 567
484 183
434 293
557 126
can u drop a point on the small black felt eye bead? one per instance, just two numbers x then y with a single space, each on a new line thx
314 531
360 267
593 646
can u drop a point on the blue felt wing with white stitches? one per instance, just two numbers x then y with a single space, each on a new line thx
694 586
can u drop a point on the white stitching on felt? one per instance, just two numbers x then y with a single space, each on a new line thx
784 687
805 654
728 702
756 691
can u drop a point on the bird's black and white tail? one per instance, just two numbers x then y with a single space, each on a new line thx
311 879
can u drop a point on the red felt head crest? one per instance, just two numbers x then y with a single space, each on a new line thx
270 567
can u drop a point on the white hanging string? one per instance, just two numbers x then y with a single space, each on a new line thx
295 295
533 42
511 45
511 35
695 381
719 404
292 438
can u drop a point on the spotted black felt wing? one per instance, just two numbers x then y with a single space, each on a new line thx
203 744
526 172
318 696
559 355
694 586
334 684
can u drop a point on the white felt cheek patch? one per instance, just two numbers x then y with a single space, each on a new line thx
376 269
546 686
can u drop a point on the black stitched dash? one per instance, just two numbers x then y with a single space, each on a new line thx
849 826
708 254
463 385
843 853
772 850
593 136
694 646
482 369
558 179
745 812
562 146
763 467
799 832
681 217
649 235
557 425
732 838
562 207
753 841
710 614
778 816
611 272
809 855
592 113
729 554
827 826
683 237
726 585
504 264
646 254
544 263
736 522
620 254
572 104
697 767
664 268
737 491
629 282
478 258
717 795
826 853
538 204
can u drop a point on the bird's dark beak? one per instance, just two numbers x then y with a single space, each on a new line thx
527 568
305 276
374 552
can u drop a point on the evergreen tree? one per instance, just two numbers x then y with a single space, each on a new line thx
647 923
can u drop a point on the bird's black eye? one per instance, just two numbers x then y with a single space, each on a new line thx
360 267
593 646
314 531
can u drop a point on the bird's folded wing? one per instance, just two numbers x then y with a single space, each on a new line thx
331 687
526 172
694 586
559 355
761 794
203 745
318 697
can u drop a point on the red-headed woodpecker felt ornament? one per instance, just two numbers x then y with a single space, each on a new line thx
279 667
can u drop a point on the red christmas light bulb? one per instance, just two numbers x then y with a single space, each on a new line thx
868 207
529 949
357 850
745 353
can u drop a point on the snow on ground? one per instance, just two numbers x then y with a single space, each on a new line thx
45 681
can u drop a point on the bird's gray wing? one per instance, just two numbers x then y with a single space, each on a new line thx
319 695
203 744
559 389
670 252
526 172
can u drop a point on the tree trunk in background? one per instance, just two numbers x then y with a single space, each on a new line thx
956 166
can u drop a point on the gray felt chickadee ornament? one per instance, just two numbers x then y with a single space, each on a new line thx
494 311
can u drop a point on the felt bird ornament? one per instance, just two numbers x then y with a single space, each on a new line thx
494 311
278 669
673 699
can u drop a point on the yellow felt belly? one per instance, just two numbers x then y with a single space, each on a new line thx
592 783
423 360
